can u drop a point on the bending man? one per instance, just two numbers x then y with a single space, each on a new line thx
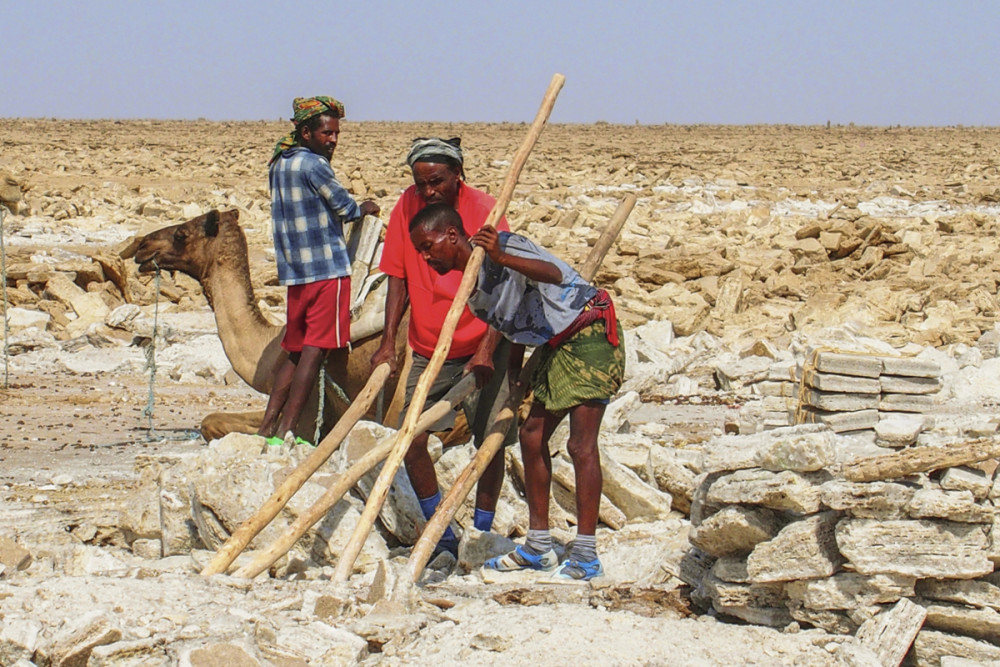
534 298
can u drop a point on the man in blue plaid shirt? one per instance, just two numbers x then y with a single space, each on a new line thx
309 208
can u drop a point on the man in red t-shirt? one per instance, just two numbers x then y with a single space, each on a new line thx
438 177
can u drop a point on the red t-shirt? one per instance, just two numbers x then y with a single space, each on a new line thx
431 294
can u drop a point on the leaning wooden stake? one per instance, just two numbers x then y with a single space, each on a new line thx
405 436
249 529
264 558
437 524
391 416
607 238
435 528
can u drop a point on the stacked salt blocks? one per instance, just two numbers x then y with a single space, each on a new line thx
848 392
780 535
853 392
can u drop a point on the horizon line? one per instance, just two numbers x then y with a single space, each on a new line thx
829 125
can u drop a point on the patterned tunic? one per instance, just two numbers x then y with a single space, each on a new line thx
585 366
523 310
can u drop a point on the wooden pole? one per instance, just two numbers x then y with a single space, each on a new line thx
437 524
264 558
391 416
607 238
405 436
249 529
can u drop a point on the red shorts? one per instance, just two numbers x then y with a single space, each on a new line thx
319 315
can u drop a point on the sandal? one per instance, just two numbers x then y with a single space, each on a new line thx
519 559
579 570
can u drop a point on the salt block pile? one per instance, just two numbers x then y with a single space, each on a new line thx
848 391
192 501
801 524
186 502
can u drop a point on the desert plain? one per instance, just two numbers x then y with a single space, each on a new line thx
749 241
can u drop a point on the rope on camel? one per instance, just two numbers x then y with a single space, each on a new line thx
151 357
321 390
6 305
330 385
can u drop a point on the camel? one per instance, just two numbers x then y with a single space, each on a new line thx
212 249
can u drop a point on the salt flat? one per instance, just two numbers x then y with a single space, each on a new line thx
740 234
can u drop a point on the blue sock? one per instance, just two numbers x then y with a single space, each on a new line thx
483 520
427 506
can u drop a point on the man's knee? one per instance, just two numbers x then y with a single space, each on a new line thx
582 448
530 434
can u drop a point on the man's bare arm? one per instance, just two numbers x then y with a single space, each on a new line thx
481 363
538 270
395 306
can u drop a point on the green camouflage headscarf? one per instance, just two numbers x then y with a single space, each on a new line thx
433 149
304 108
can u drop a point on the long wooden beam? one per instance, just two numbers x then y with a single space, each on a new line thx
405 436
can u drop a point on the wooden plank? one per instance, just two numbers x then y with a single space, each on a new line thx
381 488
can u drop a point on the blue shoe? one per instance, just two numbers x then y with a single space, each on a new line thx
574 570
519 559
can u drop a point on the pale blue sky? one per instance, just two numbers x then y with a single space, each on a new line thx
871 63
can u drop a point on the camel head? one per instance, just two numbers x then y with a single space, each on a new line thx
192 247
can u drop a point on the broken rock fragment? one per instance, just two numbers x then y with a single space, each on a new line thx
805 549
848 590
13 556
873 500
735 530
786 490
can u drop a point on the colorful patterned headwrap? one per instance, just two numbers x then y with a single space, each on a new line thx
433 149
304 108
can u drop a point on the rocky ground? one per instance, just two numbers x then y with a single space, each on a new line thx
756 244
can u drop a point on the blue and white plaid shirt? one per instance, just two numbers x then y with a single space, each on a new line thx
309 208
